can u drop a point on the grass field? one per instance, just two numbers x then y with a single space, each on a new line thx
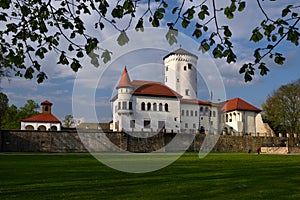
217 176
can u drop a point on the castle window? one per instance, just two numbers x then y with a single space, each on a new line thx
187 92
124 105
130 105
148 106
154 107
186 125
187 113
160 107
143 106
119 105
226 120
196 113
214 113
166 107
182 112
184 68
132 123
201 109
192 113
46 108
190 66
147 123
167 68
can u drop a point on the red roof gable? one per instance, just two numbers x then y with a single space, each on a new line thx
46 103
195 101
239 104
125 80
150 88
42 117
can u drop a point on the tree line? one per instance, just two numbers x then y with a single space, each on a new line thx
11 116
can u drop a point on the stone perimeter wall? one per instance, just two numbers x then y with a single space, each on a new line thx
71 141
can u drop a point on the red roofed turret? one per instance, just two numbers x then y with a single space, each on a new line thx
125 80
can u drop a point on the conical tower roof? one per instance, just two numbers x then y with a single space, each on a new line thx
125 80
180 51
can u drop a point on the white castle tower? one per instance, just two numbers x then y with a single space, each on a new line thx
181 73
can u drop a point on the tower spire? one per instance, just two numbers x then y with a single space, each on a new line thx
125 80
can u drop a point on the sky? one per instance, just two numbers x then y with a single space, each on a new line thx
86 94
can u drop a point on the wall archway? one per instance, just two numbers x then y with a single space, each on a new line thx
42 128
29 128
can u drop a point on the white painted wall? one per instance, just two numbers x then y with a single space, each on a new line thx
179 77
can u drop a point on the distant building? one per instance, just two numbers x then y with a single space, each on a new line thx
173 105
44 121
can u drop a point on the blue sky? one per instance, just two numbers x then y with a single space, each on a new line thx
91 89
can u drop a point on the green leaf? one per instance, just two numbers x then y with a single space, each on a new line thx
117 12
29 73
123 38
171 36
106 56
279 59
197 33
242 6
204 47
174 10
140 26
286 11
79 54
256 35
75 65
227 32
185 23
263 69
5 4
228 13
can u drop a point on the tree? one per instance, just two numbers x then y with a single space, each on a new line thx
34 29
3 107
282 107
11 119
69 121
28 110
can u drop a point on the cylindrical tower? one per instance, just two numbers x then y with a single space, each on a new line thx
181 73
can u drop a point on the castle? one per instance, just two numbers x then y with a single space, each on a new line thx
173 106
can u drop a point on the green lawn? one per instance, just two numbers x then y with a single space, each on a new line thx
217 176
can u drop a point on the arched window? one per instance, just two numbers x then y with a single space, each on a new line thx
148 106
29 127
154 107
143 106
190 66
42 128
160 107
166 107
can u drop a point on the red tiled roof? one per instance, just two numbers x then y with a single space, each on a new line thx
46 103
239 104
125 80
150 88
195 101
42 117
